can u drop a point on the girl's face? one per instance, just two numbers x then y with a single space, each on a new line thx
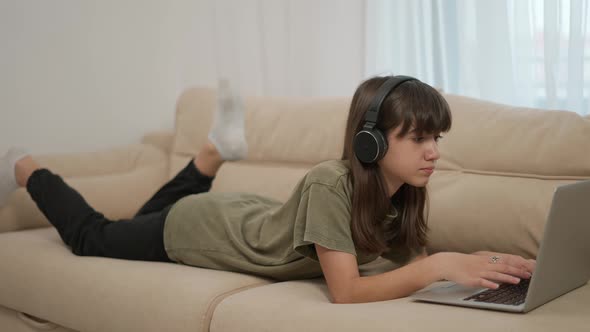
410 159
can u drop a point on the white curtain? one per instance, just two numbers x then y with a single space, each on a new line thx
531 53
285 47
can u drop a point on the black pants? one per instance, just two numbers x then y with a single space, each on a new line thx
89 233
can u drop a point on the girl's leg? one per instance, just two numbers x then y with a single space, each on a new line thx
195 178
85 230
226 142
89 233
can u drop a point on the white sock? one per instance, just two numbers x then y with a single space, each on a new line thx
227 131
7 177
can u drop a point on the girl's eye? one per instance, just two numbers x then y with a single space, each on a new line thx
421 139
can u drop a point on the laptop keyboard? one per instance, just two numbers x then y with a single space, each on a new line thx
509 294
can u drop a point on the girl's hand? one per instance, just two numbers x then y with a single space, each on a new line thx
479 270
514 260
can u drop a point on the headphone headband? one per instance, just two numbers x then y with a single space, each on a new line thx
370 144
382 92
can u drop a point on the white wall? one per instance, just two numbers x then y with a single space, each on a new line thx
83 75
80 75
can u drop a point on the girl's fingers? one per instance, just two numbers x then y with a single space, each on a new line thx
517 261
532 264
488 284
507 269
501 277
528 264
527 271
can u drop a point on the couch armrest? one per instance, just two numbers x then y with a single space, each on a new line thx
116 182
163 140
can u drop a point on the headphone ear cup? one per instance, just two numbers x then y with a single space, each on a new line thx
369 145
382 142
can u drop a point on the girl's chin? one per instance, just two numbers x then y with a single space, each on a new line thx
418 182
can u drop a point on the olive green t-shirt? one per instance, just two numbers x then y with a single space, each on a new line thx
253 234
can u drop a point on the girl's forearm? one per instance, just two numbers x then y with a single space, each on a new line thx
394 284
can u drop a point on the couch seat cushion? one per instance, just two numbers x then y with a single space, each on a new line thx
41 277
305 306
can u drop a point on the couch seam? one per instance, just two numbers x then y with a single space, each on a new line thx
129 171
208 316
517 175
264 162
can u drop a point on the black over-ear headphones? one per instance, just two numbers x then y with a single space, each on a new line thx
369 143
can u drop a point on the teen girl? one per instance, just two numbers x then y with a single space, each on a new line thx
341 214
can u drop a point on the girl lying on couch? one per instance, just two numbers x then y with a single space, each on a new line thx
341 214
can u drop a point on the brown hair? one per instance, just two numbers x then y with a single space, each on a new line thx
412 104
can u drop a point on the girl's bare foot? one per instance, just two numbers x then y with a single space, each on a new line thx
23 170
208 160
8 169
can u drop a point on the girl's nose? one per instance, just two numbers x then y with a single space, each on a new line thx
433 153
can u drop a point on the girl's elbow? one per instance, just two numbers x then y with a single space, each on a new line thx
345 293
341 299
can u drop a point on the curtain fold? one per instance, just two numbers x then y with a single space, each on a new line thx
531 53
288 47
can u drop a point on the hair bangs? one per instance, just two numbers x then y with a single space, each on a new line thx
422 109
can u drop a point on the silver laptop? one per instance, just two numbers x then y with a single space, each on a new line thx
563 263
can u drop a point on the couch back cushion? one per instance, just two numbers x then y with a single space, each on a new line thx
285 138
494 182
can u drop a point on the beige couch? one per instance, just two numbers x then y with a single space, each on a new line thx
492 191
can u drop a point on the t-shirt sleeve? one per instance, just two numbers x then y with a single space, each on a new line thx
323 218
